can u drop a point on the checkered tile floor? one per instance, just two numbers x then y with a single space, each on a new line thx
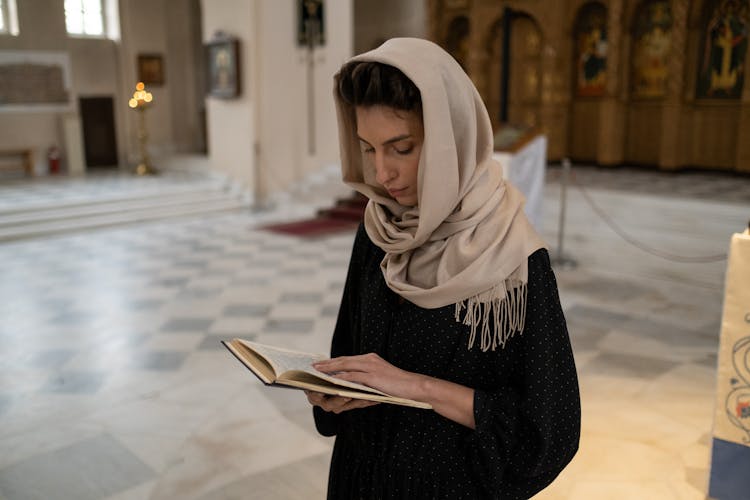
85 313
93 281
16 194
114 385
718 186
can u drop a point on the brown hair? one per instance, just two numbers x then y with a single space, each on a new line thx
366 83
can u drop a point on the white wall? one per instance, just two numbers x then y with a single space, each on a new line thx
230 127
186 69
272 112
285 152
144 26
101 67
92 61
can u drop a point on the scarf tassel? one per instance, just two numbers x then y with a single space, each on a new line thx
496 317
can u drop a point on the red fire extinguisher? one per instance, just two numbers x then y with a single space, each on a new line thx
53 159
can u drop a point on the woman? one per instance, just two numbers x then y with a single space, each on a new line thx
449 299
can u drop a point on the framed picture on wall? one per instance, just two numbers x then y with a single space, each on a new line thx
151 69
311 30
723 48
223 67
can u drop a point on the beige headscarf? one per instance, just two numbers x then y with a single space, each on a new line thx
467 241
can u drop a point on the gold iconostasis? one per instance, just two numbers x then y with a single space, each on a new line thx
652 82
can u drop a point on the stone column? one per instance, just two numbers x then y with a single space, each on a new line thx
611 111
555 91
476 60
433 20
670 156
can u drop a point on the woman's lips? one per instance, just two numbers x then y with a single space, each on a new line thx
396 192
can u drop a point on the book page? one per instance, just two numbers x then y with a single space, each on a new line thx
286 360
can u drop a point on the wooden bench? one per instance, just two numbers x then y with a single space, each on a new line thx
24 156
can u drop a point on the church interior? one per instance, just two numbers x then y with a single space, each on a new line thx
157 157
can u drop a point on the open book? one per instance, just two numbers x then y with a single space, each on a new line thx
277 366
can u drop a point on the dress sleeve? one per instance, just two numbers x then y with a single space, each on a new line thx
528 431
342 343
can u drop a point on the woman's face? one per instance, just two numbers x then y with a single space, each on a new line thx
391 142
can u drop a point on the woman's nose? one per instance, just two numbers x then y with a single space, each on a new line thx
383 172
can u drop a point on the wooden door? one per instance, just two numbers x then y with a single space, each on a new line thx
524 72
98 122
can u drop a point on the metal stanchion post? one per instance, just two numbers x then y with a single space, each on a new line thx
561 260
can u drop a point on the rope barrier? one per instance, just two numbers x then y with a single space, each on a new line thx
642 246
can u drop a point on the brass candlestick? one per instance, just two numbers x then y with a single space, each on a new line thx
140 101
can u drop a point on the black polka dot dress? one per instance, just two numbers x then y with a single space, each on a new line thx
526 403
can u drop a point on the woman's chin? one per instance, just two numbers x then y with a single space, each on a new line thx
407 201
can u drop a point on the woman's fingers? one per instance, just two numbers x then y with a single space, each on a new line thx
362 362
315 398
353 376
360 403
370 370
328 403
336 404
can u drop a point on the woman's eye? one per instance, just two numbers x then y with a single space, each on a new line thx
405 151
368 150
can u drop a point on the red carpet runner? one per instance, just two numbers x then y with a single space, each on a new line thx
346 215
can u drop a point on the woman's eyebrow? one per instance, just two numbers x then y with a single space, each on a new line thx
389 141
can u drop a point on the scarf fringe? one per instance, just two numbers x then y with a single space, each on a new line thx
496 314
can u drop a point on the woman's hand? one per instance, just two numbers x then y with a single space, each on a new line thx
336 404
373 371
451 400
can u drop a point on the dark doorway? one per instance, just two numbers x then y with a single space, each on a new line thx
98 119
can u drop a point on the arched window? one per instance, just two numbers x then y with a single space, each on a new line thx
92 18
8 17
721 56
590 37
652 32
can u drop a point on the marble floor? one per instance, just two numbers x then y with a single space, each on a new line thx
113 383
